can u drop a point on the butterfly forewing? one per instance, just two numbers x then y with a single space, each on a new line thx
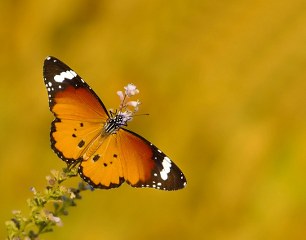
80 114
61 81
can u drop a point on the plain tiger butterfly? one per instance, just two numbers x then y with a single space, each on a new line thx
85 133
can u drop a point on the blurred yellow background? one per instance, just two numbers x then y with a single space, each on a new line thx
224 83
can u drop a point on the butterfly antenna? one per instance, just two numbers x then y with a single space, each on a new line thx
142 114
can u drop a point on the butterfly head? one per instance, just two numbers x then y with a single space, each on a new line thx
127 109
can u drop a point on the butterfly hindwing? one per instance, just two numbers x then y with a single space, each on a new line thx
128 156
103 169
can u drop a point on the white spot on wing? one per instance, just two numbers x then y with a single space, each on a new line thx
166 168
69 74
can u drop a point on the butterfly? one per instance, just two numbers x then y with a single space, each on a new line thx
84 133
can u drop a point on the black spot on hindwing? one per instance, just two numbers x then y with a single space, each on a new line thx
96 157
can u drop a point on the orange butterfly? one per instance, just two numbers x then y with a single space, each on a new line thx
85 133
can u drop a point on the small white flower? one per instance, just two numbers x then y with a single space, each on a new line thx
51 180
56 220
33 190
127 116
16 212
131 90
133 103
121 96
71 194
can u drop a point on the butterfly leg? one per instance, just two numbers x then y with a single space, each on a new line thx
73 164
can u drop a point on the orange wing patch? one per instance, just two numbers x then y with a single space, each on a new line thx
70 137
79 119
78 104
104 168
136 156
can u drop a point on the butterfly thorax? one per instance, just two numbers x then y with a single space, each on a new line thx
116 121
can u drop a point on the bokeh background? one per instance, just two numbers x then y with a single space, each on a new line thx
224 83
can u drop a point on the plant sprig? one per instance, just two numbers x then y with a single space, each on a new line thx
46 207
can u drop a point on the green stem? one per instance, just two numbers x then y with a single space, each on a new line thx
46 207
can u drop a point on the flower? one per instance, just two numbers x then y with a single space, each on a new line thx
16 212
126 116
33 190
124 110
121 96
131 90
51 180
134 104
54 219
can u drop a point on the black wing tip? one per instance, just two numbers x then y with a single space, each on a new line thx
50 58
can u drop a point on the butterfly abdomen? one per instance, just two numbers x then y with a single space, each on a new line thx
93 146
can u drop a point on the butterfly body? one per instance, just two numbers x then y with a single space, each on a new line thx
84 132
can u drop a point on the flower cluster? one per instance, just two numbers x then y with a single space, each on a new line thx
126 104
46 207
130 90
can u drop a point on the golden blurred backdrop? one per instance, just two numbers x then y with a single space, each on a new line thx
224 83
